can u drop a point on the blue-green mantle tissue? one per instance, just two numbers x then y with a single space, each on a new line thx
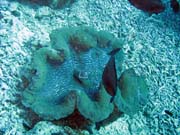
69 76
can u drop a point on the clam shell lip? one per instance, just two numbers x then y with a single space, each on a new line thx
69 75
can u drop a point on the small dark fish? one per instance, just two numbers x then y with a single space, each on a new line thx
109 78
175 6
168 112
151 6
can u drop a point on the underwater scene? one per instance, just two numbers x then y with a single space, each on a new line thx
89 67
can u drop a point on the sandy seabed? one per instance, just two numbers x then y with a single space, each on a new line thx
151 47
